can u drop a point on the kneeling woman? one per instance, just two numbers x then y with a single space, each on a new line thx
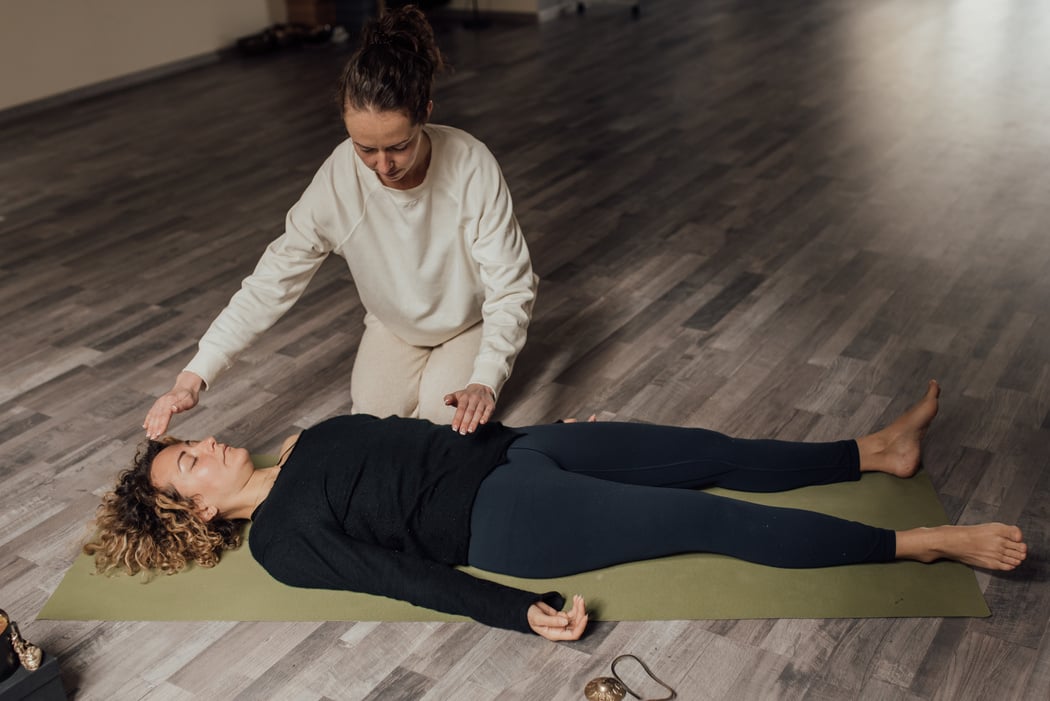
390 506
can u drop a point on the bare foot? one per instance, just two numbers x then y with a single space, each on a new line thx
992 546
896 449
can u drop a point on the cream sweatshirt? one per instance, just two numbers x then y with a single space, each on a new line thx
429 262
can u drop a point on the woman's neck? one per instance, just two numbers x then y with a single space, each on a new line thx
254 492
261 481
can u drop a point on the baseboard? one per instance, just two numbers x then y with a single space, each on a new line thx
104 87
565 7
454 15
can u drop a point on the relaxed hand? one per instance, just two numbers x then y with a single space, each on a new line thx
558 625
474 406
182 397
590 419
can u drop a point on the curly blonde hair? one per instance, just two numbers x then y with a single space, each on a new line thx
145 529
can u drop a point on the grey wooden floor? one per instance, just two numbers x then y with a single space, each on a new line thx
773 217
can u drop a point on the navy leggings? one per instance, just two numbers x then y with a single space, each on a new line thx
577 497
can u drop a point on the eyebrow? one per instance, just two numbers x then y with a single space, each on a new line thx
399 143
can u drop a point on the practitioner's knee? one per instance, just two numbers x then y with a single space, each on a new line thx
386 375
448 369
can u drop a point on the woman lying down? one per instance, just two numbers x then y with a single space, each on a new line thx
391 506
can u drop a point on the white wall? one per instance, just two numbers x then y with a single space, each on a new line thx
49 47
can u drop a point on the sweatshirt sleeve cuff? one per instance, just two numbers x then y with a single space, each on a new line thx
490 374
207 368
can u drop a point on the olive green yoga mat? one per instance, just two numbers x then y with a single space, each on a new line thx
682 587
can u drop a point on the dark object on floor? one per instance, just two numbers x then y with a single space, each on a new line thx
8 659
12 648
614 688
281 36
25 672
45 684
636 8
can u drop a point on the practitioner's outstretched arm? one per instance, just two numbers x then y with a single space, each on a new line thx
559 625
991 546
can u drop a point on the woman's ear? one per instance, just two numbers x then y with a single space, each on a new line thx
205 511
430 108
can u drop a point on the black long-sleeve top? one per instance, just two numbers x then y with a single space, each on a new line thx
382 506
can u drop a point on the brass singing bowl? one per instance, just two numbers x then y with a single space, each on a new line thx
613 689
605 689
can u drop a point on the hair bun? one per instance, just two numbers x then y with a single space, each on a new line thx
394 66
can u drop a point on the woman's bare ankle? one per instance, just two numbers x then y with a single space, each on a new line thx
992 546
897 449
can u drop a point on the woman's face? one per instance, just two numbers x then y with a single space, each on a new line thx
389 144
208 471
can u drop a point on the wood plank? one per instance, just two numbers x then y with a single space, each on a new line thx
746 216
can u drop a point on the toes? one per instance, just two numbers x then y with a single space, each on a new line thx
1017 552
1012 552
1009 563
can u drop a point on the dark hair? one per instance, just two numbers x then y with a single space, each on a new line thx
142 528
394 67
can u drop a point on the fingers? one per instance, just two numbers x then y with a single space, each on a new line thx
570 625
559 625
462 411
474 406
159 415
548 610
593 418
577 617
480 415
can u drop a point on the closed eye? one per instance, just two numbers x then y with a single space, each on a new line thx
186 465
372 149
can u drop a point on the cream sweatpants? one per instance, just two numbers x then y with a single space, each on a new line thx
394 377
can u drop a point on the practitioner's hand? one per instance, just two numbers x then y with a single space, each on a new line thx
182 397
558 625
590 419
474 406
